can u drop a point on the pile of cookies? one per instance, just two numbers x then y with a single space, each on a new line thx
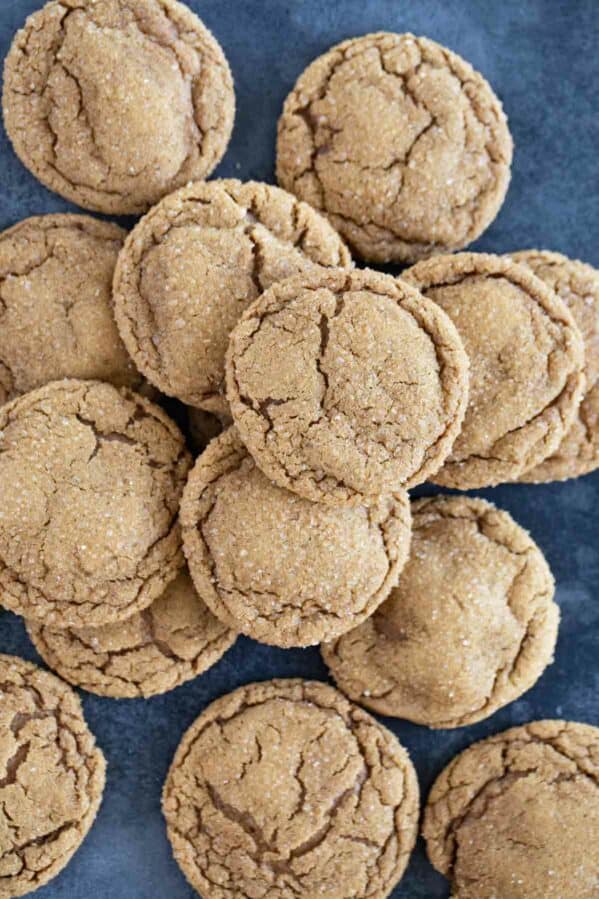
318 392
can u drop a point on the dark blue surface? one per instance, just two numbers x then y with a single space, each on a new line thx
541 58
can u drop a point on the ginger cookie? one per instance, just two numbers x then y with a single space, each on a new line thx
346 385
90 480
51 776
517 815
172 641
286 789
277 567
526 365
476 595
56 318
115 103
577 284
401 142
195 263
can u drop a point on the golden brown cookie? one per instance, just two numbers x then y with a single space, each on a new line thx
196 262
526 365
56 317
517 815
346 385
401 143
172 641
280 568
90 483
115 103
577 284
286 789
476 595
51 776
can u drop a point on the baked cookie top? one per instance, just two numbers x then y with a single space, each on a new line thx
518 815
51 776
90 480
526 365
117 144
277 567
155 650
577 284
346 385
401 142
195 262
56 318
476 595
286 789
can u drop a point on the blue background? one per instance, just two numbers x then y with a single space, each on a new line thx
541 57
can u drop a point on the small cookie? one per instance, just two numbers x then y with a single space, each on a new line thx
346 385
517 815
174 640
114 104
278 568
56 318
51 776
526 365
286 789
403 145
195 263
577 284
476 595
90 481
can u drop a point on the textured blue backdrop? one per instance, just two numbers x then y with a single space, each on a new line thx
540 56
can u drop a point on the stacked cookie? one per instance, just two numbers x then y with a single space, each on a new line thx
320 394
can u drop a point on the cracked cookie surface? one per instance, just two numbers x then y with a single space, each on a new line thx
117 145
346 385
526 365
401 142
517 815
90 480
477 596
56 318
285 789
277 567
51 776
577 284
172 641
196 262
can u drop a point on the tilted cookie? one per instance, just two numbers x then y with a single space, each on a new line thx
526 365
286 789
346 385
517 815
400 142
90 480
476 595
195 262
114 104
51 776
280 568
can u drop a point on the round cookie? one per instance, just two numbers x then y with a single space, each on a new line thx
117 145
477 596
51 776
577 284
401 142
195 263
286 789
517 815
90 480
526 365
277 567
346 385
172 641
56 318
